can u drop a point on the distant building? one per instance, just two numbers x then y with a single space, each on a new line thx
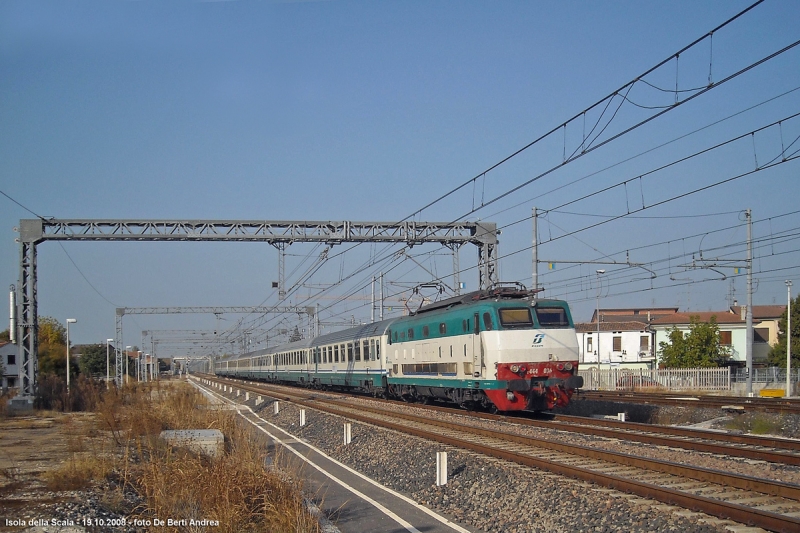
8 355
732 329
624 338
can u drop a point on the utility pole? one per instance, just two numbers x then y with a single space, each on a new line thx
535 253
749 316
788 338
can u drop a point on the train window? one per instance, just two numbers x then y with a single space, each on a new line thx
372 349
378 351
516 318
365 347
336 353
426 332
349 351
552 317
358 351
464 326
442 328
487 321
402 335
410 333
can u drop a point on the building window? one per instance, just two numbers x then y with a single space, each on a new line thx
644 343
725 338
589 345
761 335
617 344
12 359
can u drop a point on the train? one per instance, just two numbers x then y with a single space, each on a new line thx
500 350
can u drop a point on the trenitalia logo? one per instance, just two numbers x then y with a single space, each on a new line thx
538 340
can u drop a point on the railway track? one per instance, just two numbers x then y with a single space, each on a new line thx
772 405
764 503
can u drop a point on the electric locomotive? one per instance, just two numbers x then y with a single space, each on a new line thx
499 349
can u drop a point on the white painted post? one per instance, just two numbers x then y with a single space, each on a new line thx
348 433
621 417
441 468
302 417
224 388
259 401
238 392
247 396
275 407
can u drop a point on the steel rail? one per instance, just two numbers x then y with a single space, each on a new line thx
714 507
750 440
775 405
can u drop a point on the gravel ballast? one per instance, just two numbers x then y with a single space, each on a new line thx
484 494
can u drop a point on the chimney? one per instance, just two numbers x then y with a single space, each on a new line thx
648 316
743 313
12 322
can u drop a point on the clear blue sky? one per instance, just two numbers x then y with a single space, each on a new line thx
369 110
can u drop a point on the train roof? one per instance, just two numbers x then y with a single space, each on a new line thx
495 293
365 330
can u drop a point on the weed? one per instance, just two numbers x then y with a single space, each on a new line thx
78 472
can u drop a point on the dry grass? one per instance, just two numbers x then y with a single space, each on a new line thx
236 488
78 472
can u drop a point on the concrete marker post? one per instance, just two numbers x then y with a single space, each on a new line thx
275 407
302 417
441 468
621 417
348 433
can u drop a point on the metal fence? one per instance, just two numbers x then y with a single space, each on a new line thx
674 379
772 374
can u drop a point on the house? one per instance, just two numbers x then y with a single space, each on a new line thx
8 356
732 329
623 336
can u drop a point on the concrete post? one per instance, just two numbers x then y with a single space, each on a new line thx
441 468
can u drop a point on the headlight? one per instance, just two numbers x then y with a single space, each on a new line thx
567 366
515 368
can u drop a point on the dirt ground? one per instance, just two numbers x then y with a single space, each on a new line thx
31 447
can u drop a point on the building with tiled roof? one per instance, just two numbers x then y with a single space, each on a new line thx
732 329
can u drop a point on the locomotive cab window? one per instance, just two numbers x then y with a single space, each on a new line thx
516 318
487 321
552 317
426 331
442 328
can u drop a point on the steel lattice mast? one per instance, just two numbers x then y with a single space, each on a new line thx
35 231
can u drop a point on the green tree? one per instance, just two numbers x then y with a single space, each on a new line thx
53 348
51 331
699 347
5 336
93 359
777 354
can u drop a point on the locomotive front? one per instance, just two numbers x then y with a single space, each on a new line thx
535 352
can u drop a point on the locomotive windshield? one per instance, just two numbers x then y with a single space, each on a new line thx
516 318
552 317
